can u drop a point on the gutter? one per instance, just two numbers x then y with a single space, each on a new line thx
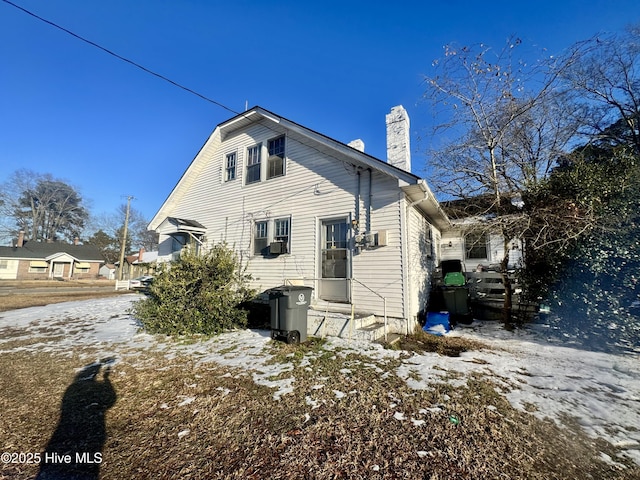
429 195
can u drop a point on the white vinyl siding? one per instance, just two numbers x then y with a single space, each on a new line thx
316 187
420 260
381 269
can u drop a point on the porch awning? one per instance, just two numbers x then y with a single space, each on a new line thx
83 265
173 225
181 229
38 263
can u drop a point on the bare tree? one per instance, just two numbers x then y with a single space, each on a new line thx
505 129
137 233
44 207
605 84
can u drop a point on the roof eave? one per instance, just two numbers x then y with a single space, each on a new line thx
422 197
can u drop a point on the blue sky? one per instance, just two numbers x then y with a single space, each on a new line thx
337 67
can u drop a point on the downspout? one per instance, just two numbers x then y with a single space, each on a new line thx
351 249
404 242
370 201
358 199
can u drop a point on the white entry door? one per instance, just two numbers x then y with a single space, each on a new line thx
335 258
58 270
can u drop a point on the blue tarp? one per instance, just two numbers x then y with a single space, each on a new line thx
437 323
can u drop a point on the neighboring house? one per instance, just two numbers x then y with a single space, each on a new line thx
479 250
471 237
142 263
29 260
302 208
108 271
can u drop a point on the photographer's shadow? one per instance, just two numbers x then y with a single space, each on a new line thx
74 451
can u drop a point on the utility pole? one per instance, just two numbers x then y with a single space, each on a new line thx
124 237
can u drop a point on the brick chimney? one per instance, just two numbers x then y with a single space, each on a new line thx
76 240
398 146
141 255
20 242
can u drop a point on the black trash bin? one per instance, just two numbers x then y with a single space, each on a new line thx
456 300
289 305
454 291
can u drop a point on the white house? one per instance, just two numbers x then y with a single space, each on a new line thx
302 208
478 249
475 239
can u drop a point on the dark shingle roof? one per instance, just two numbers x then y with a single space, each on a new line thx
42 250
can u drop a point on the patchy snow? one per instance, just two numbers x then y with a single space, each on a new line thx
186 400
399 416
550 380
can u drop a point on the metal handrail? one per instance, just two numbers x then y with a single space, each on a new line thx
384 301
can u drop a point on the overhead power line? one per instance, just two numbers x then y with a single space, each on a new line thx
120 57
146 70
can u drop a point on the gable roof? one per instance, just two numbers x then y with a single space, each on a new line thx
416 188
43 250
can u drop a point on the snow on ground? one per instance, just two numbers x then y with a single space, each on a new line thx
600 390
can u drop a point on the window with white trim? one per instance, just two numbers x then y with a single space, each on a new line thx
230 169
261 238
272 237
281 232
476 247
429 240
253 164
275 163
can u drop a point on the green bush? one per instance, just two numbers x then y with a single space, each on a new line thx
197 294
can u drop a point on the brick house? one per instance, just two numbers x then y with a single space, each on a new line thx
29 260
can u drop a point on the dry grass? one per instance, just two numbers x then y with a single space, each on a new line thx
14 302
450 346
348 417
26 299
346 428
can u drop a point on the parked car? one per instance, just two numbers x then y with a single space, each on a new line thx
141 283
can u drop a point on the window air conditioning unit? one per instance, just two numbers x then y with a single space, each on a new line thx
277 248
372 239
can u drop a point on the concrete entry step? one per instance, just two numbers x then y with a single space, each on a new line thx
364 326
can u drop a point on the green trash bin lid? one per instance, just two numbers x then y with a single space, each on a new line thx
454 279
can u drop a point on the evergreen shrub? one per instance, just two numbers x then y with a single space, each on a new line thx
196 294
